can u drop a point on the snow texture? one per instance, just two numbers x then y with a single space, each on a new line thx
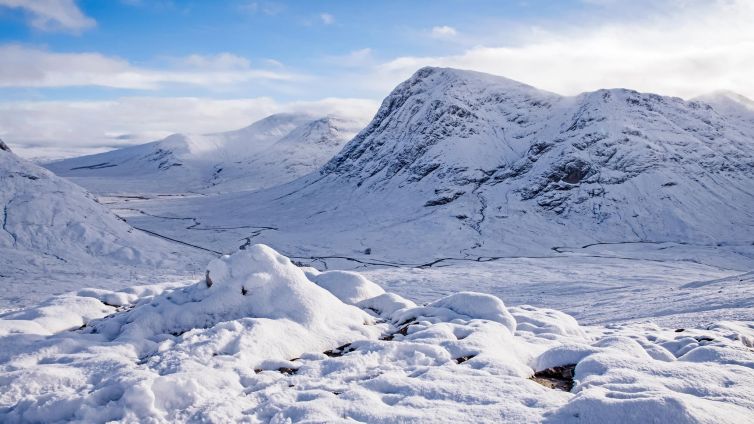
287 350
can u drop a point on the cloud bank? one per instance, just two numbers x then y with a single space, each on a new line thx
52 15
55 129
33 67
683 51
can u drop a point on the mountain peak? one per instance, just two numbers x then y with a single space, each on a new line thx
441 119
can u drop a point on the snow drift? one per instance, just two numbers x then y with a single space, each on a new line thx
263 343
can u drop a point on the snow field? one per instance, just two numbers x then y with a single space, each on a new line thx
266 343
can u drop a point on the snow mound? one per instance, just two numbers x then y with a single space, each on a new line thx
254 283
386 304
349 287
479 306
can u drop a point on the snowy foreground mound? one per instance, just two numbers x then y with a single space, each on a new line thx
262 340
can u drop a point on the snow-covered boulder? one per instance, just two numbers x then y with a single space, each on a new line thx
349 287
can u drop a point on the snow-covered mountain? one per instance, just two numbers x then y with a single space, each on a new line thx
463 163
272 151
302 150
50 227
731 105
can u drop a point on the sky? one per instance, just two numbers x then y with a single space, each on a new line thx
82 76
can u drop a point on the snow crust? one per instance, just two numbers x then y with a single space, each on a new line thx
288 350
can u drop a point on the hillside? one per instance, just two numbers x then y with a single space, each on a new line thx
53 230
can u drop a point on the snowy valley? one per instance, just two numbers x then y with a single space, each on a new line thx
481 251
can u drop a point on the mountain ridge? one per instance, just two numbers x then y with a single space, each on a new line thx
212 162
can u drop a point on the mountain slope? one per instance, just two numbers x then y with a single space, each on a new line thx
248 158
464 164
51 229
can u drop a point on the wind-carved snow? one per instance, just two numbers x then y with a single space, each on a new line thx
256 340
272 151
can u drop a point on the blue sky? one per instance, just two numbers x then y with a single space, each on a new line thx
78 75
308 38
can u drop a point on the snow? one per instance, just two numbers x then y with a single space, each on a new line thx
349 287
49 226
290 351
458 165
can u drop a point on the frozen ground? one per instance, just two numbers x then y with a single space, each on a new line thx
262 340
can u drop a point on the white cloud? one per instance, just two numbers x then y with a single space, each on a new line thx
62 128
52 15
682 52
444 31
31 67
327 18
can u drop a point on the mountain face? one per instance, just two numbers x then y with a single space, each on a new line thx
464 163
594 157
249 158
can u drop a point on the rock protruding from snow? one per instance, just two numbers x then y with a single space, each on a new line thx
4 146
